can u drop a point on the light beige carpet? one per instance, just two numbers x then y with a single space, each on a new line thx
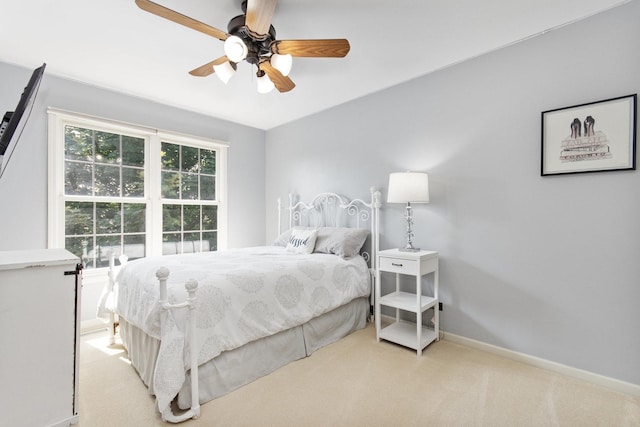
359 382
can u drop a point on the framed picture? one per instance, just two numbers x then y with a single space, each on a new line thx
594 137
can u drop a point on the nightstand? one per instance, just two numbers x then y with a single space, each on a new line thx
408 334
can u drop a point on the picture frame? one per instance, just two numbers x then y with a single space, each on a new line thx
594 137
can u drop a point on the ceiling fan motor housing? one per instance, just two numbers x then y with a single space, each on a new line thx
259 47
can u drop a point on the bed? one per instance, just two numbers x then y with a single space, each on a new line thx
198 326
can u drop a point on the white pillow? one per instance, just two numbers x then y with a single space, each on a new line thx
344 242
302 241
283 239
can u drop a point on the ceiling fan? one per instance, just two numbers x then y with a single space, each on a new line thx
252 38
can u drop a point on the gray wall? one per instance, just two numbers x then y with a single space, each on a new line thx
547 266
23 187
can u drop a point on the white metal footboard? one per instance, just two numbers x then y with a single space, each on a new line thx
191 286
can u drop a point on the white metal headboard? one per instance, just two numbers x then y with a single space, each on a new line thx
334 210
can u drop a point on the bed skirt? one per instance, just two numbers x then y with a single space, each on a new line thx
235 368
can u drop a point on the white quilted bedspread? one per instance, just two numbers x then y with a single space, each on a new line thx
242 295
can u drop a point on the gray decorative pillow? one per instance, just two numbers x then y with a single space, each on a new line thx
283 239
342 241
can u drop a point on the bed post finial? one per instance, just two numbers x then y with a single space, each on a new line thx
123 259
376 197
191 286
162 273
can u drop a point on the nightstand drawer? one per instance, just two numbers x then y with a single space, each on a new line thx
402 266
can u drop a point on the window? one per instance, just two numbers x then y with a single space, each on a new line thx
104 204
189 214
132 190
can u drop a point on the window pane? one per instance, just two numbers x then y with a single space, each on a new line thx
170 185
132 151
132 182
79 246
134 217
77 179
191 243
107 180
189 186
105 244
78 143
191 219
210 241
209 217
208 161
207 187
78 218
170 154
171 218
189 159
107 147
108 218
134 246
171 244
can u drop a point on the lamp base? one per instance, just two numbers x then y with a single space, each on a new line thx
409 249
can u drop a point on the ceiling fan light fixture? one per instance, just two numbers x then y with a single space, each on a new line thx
224 71
282 63
235 49
265 85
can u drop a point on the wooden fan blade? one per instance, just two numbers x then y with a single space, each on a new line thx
259 16
328 48
207 69
181 19
282 83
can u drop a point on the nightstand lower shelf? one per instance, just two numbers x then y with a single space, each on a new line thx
404 333
407 301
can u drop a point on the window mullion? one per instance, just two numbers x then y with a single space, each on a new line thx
154 194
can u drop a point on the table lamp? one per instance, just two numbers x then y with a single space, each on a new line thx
408 187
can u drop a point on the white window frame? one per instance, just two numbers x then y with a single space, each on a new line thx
59 119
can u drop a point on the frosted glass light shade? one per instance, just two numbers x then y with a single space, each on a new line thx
282 63
235 49
224 71
265 85
408 187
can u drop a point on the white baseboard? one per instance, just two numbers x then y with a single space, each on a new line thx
601 380
92 325
67 422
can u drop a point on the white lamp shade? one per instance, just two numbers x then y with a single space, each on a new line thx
235 49
265 85
224 71
282 63
408 187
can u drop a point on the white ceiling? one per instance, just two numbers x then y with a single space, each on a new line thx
116 45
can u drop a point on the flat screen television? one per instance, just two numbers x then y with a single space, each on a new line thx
13 122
